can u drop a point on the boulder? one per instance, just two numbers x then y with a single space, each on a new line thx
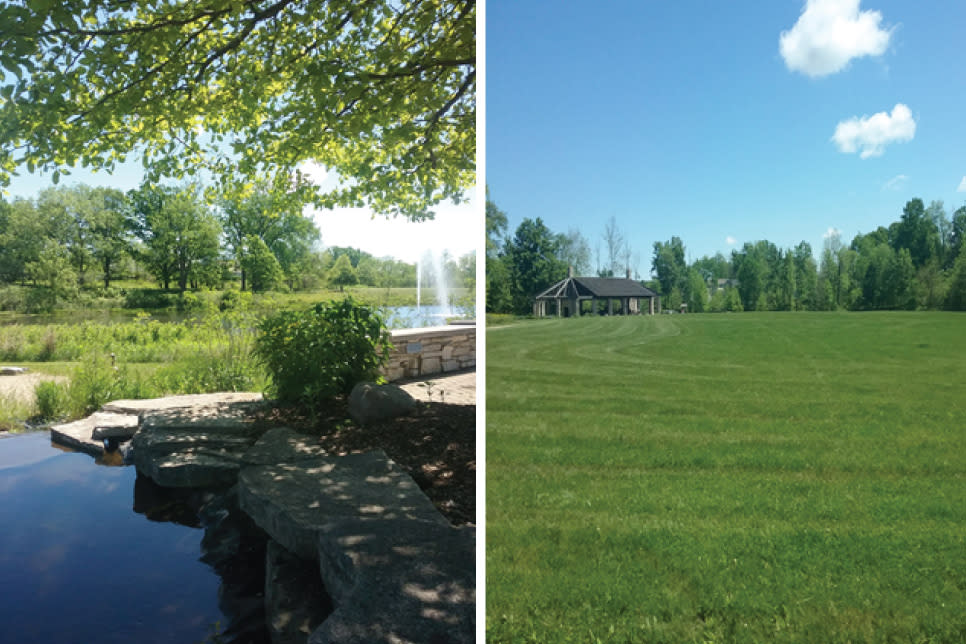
12 371
369 403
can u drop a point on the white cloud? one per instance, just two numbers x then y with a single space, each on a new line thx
895 182
832 232
829 34
731 241
962 185
870 134
315 172
453 227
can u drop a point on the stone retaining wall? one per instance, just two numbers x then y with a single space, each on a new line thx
431 350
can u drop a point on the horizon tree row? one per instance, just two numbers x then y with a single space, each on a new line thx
917 262
67 238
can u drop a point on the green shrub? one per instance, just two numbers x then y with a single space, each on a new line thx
93 383
146 298
53 400
233 300
320 353
13 298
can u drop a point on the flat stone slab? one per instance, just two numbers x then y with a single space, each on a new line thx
398 581
12 371
176 402
394 567
122 428
195 446
283 445
293 502
79 434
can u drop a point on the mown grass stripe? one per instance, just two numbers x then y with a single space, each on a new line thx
755 477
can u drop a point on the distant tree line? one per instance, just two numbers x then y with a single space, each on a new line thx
917 262
72 238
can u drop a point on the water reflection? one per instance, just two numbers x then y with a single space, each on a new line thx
78 565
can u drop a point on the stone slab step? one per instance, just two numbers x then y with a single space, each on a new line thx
79 434
394 567
283 445
121 429
293 502
178 402
398 581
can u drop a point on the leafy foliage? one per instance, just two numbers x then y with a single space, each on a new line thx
342 273
531 256
322 352
382 91
276 221
259 263
180 236
53 399
913 263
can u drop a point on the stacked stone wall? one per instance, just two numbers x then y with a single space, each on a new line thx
431 350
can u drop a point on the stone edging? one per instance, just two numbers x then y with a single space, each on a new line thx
431 350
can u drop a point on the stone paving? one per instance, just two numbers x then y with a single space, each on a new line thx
453 389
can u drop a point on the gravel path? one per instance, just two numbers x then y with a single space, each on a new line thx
21 388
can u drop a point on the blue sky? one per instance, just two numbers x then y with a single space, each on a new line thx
689 118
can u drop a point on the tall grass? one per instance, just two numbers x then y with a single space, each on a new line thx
139 359
734 478
13 412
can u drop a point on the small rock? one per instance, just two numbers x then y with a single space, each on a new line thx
369 402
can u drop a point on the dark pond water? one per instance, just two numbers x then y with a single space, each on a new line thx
90 553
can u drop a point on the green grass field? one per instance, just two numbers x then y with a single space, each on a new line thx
727 478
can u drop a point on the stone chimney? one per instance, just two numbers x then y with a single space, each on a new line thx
570 271
628 273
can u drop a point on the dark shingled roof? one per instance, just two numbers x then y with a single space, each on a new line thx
597 287
614 287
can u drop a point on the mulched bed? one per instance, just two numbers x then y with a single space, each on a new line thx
436 445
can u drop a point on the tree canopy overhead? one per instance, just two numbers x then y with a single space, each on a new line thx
381 91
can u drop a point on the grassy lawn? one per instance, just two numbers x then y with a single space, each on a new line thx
727 478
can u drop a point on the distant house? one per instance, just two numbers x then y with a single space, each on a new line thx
725 283
576 296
